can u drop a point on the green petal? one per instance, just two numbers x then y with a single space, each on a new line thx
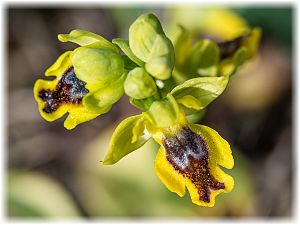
101 100
100 66
204 89
84 38
139 84
124 46
121 141
190 102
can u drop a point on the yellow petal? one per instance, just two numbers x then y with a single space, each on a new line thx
168 174
80 114
47 85
220 151
60 66
191 158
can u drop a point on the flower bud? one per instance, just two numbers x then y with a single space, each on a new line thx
149 43
139 84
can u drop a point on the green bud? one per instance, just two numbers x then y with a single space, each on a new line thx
139 84
164 113
97 65
149 43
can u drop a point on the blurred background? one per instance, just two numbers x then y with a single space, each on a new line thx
55 173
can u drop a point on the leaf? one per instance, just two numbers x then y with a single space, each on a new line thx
124 46
121 141
204 89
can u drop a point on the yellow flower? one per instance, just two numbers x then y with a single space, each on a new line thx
190 154
63 94
87 80
191 157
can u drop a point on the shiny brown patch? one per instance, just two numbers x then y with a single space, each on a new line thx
69 89
188 154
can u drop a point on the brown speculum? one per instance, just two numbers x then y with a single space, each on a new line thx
69 89
188 154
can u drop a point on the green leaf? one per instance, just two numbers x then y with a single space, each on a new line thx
84 38
204 89
139 84
121 141
124 46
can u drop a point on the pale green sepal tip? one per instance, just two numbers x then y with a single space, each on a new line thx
120 144
85 38
124 46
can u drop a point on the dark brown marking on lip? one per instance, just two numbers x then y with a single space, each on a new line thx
227 48
188 154
69 89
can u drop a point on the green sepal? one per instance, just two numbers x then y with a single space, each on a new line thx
203 59
252 41
203 89
138 129
124 46
182 45
121 141
190 102
144 104
128 63
229 66
196 117
85 38
139 84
